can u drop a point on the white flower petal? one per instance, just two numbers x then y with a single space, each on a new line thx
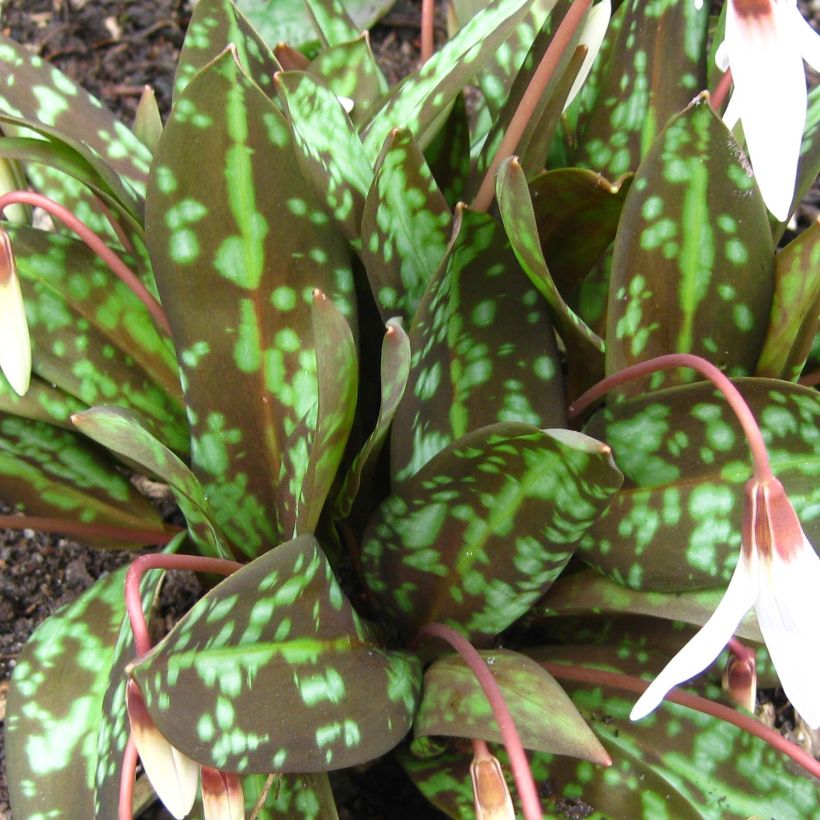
592 36
788 609
732 113
15 344
722 57
770 87
707 644
806 38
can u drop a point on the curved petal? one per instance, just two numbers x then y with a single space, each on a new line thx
807 39
770 86
706 645
592 36
15 343
788 609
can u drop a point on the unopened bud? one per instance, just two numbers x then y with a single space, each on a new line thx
148 122
492 797
740 680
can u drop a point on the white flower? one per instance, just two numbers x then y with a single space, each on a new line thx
15 345
778 573
765 45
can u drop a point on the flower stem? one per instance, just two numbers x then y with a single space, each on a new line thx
629 683
125 809
66 526
117 266
560 42
518 758
762 468
427 22
133 601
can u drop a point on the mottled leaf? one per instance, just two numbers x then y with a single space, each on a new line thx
273 671
693 266
675 524
483 349
448 155
417 102
45 470
453 704
405 227
124 434
350 71
55 701
654 67
395 369
331 21
327 147
42 402
480 532
238 253
214 25
795 307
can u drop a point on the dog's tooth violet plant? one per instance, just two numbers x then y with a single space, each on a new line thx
383 346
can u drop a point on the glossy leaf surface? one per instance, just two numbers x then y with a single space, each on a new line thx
479 533
692 268
272 670
454 705
676 523
483 350
247 246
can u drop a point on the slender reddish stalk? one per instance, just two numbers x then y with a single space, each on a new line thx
718 96
117 266
427 22
810 379
749 724
133 602
125 810
68 527
672 361
518 758
560 42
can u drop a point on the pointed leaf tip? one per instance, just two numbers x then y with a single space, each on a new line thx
15 343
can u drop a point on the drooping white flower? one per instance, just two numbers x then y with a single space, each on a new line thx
15 344
765 45
778 573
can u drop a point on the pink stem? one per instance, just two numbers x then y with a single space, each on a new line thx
133 600
560 42
518 758
718 96
68 527
129 771
117 266
427 20
762 468
115 225
741 651
749 724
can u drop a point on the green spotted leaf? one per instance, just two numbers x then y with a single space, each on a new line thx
483 349
92 338
273 671
238 254
33 89
395 369
216 24
405 227
480 532
448 155
518 215
327 148
420 99
124 434
654 65
57 692
693 264
350 71
331 21
49 471
795 307
43 401
454 704
675 525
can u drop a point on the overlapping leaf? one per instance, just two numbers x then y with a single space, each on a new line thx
238 253
405 227
693 265
676 523
57 691
483 349
273 671
795 308
454 705
479 533
654 67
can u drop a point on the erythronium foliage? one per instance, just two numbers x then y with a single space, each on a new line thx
345 325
